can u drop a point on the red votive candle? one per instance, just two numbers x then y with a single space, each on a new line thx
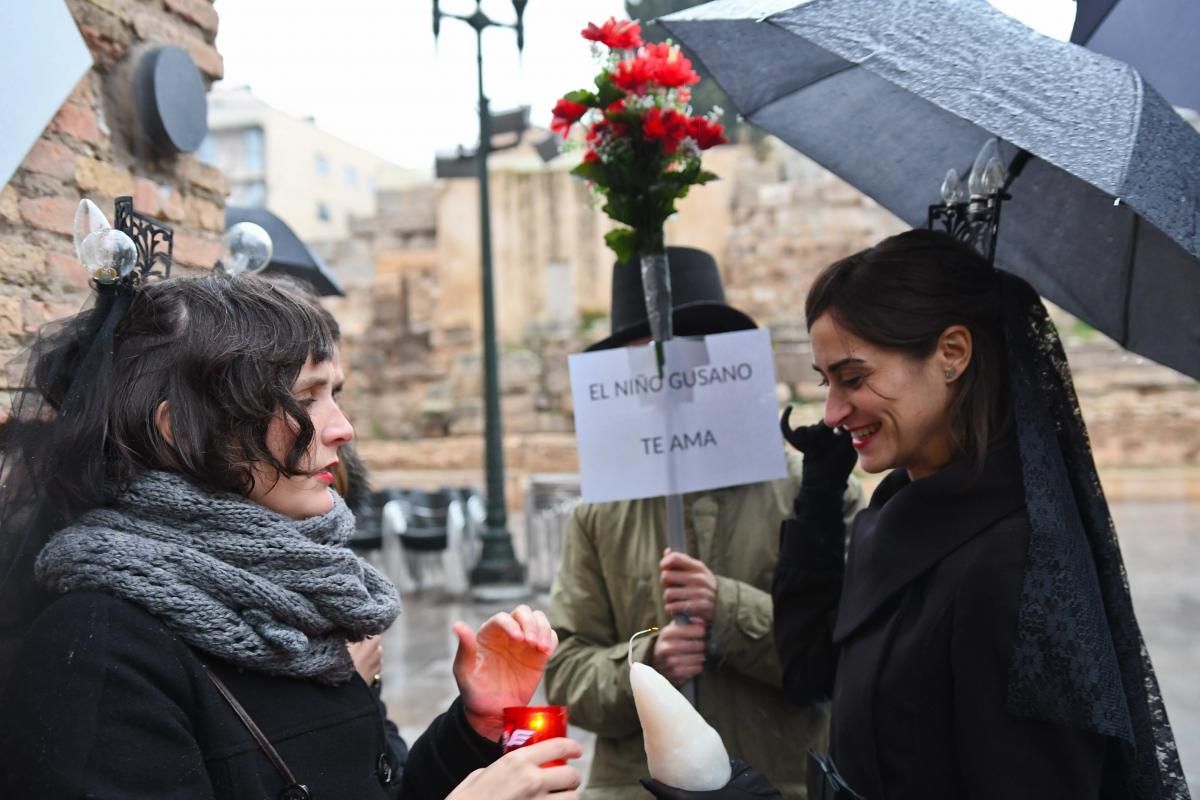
525 725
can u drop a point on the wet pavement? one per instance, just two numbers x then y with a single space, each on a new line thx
1160 541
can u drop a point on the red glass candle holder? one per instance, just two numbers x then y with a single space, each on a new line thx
526 725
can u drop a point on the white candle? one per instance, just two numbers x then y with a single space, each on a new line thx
682 750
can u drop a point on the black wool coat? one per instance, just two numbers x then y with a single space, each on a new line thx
914 638
105 702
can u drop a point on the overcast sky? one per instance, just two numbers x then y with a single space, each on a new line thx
369 72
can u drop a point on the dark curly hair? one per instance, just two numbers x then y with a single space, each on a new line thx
221 352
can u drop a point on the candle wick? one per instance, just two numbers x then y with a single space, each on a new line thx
631 638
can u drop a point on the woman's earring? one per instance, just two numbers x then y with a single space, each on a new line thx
950 373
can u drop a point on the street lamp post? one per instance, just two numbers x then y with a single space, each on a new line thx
497 575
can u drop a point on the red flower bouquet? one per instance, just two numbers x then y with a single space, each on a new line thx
643 144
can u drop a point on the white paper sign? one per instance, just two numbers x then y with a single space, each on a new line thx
42 57
710 421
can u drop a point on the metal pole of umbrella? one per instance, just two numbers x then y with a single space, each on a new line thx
498 575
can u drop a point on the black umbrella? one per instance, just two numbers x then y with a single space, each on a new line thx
1104 215
290 255
1157 37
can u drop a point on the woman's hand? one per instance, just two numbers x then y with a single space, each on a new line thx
501 665
518 775
368 658
829 458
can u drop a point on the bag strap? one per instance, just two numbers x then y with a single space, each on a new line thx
258 735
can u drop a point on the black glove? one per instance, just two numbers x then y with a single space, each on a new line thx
744 784
829 457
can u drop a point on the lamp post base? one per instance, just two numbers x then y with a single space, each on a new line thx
498 576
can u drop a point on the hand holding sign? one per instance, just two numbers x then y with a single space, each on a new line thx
679 651
689 587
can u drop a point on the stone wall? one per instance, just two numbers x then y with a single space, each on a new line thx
415 377
412 336
89 150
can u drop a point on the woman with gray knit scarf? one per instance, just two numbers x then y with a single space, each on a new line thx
176 594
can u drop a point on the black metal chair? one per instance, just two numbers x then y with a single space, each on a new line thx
368 530
427 516
431 537
474 520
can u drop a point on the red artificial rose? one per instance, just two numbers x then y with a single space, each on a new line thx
602 127
597 130
633 74
669 127
617 34
566 113
705 132
590 157
669 67
614 108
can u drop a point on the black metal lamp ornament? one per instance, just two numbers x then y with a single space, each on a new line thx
497 575
125 255
972 214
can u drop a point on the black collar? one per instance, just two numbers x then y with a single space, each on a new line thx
910 526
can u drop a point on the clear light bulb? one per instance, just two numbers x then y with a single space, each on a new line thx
993 176
952 189
108 255
988 174
248 249
88 219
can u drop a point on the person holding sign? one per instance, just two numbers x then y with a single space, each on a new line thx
977 639
616 577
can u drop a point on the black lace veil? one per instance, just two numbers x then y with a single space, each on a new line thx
52 453
1080 659
52 457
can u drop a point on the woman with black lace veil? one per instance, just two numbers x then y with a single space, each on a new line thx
976 638
176 595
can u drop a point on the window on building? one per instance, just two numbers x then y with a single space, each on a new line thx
321 163
370 184
252 150
350 176
323 212
252 194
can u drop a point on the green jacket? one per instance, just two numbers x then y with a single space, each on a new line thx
607 589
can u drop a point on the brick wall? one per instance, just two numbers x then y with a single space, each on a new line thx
89 150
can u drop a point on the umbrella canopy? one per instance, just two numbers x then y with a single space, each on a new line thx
289 254
1104 215
1158 37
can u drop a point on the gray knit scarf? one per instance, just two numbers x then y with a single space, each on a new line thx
228 576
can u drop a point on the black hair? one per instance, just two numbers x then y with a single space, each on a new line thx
901 295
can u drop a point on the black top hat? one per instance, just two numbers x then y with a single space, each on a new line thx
697 300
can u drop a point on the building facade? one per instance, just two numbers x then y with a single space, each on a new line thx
309 178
